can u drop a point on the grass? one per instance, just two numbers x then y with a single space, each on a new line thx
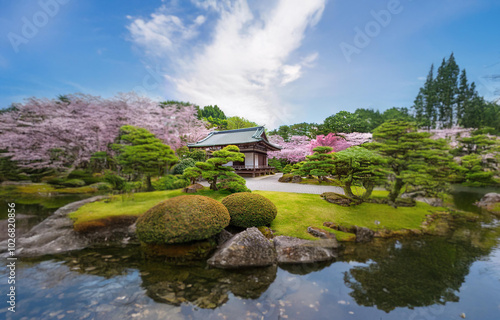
296 211
130 205
45 189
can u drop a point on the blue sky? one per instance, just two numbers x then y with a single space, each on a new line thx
271 61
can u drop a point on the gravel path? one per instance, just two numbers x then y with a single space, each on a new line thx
270 183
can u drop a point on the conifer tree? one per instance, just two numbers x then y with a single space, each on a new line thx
415 160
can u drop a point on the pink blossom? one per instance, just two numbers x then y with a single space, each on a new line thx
53 133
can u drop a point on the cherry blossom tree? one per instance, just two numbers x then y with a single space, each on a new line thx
293 151
58 133
337 142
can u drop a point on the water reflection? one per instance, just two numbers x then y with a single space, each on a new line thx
412 273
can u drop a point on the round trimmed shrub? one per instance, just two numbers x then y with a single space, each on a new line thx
249 209
182 219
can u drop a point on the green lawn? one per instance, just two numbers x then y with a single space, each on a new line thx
296 211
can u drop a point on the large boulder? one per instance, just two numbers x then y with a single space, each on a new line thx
296 179
286 178
340 199
294 250
249 209
182 219
364 234
246 249
489 201
320 233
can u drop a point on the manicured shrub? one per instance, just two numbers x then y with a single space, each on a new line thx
115 180
182 219
249 209
73 183
232 182
84 175
183 164
170 182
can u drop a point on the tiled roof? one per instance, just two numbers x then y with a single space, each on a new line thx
237 136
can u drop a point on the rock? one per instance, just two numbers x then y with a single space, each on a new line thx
319 233
364 234
223 237
246 249
435 202
54 235
296 179
294 250
340 199
347 229
488 201
193 188
331 225
286 178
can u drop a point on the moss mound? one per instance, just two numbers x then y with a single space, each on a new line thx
182 219
249 210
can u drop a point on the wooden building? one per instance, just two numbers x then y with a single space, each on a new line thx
252 142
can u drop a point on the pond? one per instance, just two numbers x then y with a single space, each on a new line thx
414 278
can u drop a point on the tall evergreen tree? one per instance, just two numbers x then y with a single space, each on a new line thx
425 102
447 89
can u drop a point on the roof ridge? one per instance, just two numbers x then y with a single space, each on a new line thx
236 130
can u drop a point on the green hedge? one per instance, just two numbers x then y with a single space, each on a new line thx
170 182
182 219
249 210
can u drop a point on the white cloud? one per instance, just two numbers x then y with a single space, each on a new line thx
246 61
421 78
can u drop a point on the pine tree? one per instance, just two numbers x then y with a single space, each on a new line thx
446 87
415 160
425 102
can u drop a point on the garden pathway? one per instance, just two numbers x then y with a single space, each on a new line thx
270 183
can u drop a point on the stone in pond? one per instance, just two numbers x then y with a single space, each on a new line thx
246 249
295 250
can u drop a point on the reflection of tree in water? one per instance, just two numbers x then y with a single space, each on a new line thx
206 288
170 283
418 273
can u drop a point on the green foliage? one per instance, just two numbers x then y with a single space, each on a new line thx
117 182
100 161
413 159
196 154
343 121
214 115
83 175
183 164
278 164
8 169
140 152
239 123
232 182
357 165
249 210
299 129
182 219
215 167
319 164
72 183
193 174
448 99
170 182
287 169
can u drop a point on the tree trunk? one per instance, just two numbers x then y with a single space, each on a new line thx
396 190
149 186
369 189
347 190
213 184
